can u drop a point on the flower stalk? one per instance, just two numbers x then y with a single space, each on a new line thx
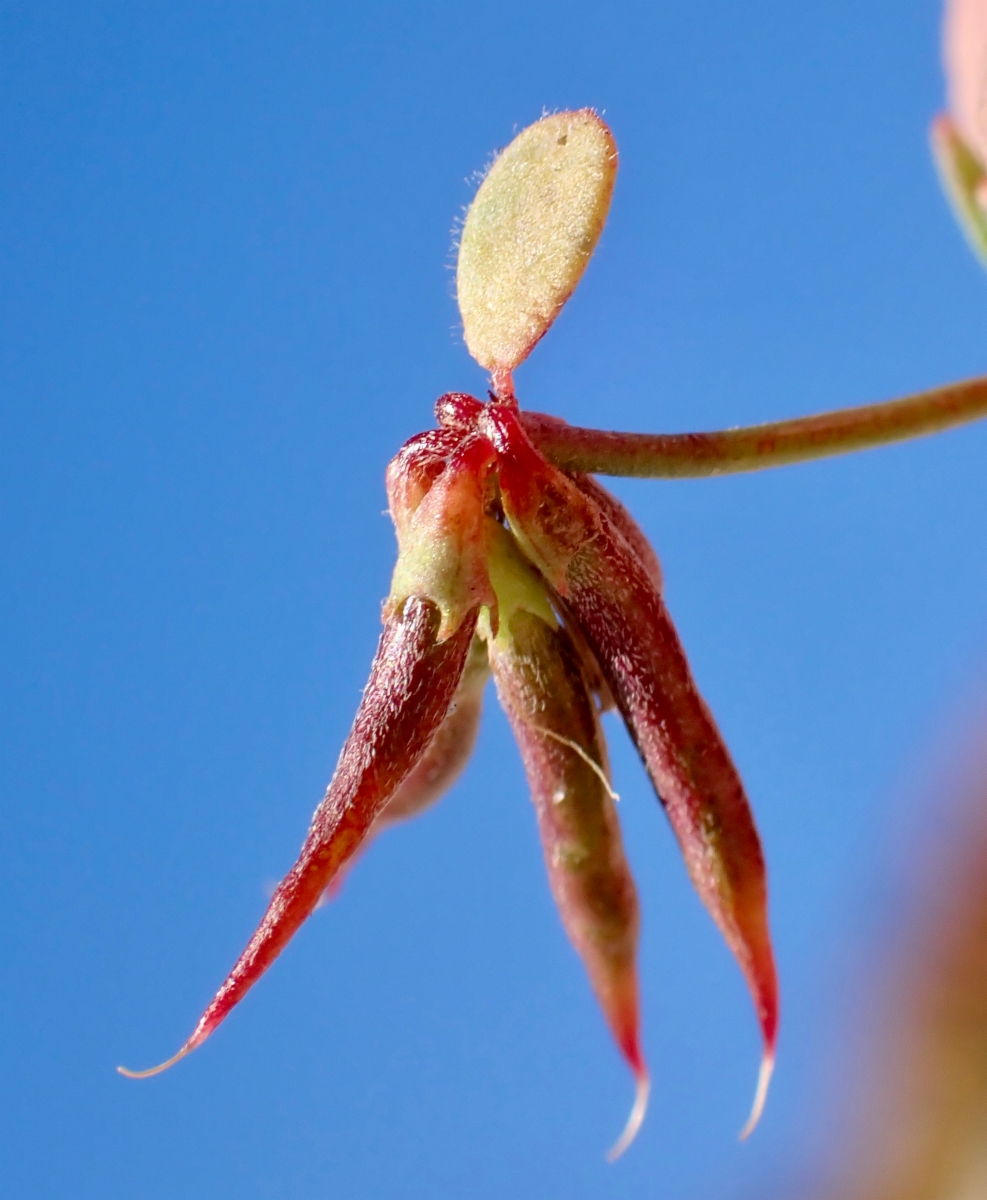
757 447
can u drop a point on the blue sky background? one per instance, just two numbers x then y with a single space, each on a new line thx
226 302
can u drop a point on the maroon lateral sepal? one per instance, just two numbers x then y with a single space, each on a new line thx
412 682
620 612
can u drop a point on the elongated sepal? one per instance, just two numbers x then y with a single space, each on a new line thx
623 523
543 689
622 615
442 550
443 761
964 182
449 750
530 232
412 683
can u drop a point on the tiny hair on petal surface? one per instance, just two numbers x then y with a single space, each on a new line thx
529 233
514 562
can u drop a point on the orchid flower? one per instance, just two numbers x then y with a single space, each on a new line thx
513 560
959 138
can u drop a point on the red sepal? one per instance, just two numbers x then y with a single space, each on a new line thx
412 682
622 615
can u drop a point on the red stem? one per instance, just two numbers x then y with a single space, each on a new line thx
777 444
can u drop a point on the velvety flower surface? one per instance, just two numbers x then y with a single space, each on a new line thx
513 561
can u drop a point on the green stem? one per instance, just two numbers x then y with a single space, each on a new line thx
693 455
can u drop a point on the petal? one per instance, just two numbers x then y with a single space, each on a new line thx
457 410
541 685
412 682
626 623
530 232
414 469
441 527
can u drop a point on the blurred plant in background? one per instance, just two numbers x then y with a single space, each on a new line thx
959 137
913 1105
915 1127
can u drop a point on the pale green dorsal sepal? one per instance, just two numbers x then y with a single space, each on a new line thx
530 232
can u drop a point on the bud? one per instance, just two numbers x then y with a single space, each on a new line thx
964 52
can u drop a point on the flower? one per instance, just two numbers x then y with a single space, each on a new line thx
965 60
513 561
959 138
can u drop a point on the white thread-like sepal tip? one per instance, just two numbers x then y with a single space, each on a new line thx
151 1071
634 1121
760 1094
